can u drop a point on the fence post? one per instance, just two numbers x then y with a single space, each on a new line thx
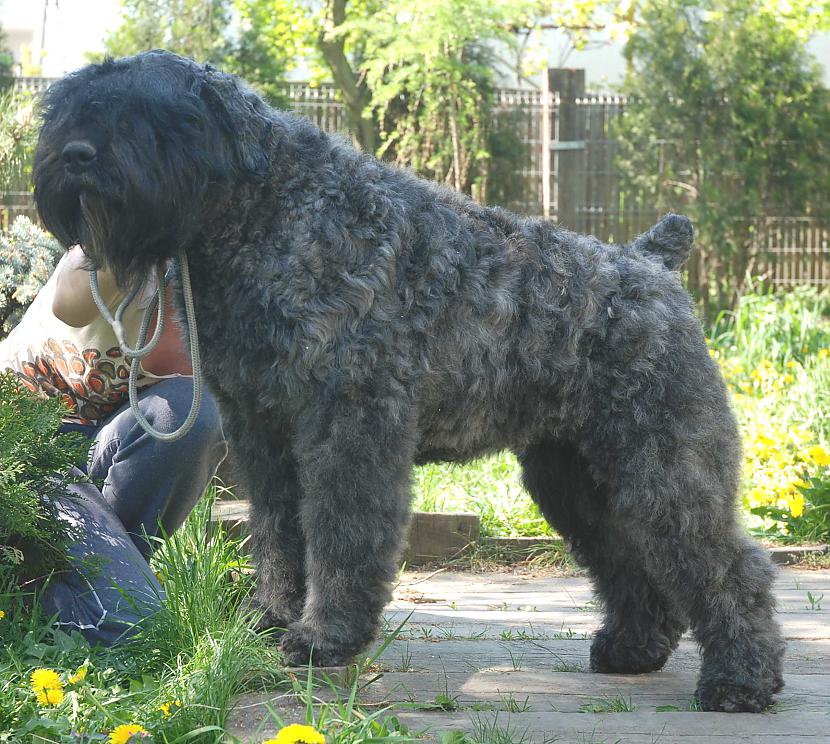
567 85
547 127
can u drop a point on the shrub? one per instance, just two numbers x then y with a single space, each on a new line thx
18 135
773 351
34 469
27 257
726 121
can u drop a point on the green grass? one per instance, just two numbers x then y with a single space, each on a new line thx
490 487
790 331
489 730
774 350
339 717
196 655
178 677
775 326
609 705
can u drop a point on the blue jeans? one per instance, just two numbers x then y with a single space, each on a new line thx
149 487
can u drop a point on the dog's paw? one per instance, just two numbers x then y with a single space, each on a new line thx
735 698
298 645
741 678
612 654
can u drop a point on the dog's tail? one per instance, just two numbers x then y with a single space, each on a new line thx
670 239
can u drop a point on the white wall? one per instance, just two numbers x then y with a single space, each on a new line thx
73 27
604 63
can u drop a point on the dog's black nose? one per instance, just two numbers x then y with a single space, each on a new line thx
78 156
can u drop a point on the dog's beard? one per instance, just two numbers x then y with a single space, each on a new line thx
58 204
97 235
121 240
123 218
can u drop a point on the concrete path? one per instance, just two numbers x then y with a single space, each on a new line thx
504 658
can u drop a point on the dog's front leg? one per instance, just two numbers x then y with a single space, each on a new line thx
268 477
355 458
277 541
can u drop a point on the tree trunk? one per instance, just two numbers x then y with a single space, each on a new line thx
456 146
356 96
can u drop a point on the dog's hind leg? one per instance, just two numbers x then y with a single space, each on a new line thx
268 478
676 506
641 626
355 456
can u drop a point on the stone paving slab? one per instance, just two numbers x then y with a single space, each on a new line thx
634 728
803 656
508 656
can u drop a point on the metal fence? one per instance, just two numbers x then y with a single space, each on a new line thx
565 169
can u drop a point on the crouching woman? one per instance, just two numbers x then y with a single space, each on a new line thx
138 487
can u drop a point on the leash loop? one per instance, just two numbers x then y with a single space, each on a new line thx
143 348
116 322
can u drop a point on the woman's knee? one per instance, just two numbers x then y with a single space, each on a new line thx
168 408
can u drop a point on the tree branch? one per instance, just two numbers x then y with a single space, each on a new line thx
356 96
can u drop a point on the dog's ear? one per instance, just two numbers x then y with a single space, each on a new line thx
243 119
670 239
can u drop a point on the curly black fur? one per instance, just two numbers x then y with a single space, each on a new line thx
355 320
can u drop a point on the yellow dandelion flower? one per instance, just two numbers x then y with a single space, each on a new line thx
296 733
46 679
170 708
124 733
823 353
758 497
79 676
796 504
802 435
2 614
819 455
789 379
50 696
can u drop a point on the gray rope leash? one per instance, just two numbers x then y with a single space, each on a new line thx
116 322
142 350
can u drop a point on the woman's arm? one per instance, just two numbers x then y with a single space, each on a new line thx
73 303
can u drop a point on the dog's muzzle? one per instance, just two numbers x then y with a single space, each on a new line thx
78 157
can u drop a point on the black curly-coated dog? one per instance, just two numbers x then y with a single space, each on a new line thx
355 320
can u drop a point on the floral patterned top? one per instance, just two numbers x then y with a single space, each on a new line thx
84 366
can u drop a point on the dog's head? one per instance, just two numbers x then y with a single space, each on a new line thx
136 153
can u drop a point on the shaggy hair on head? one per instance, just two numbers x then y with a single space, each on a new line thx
355 320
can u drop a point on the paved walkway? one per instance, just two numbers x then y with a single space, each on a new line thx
480 651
